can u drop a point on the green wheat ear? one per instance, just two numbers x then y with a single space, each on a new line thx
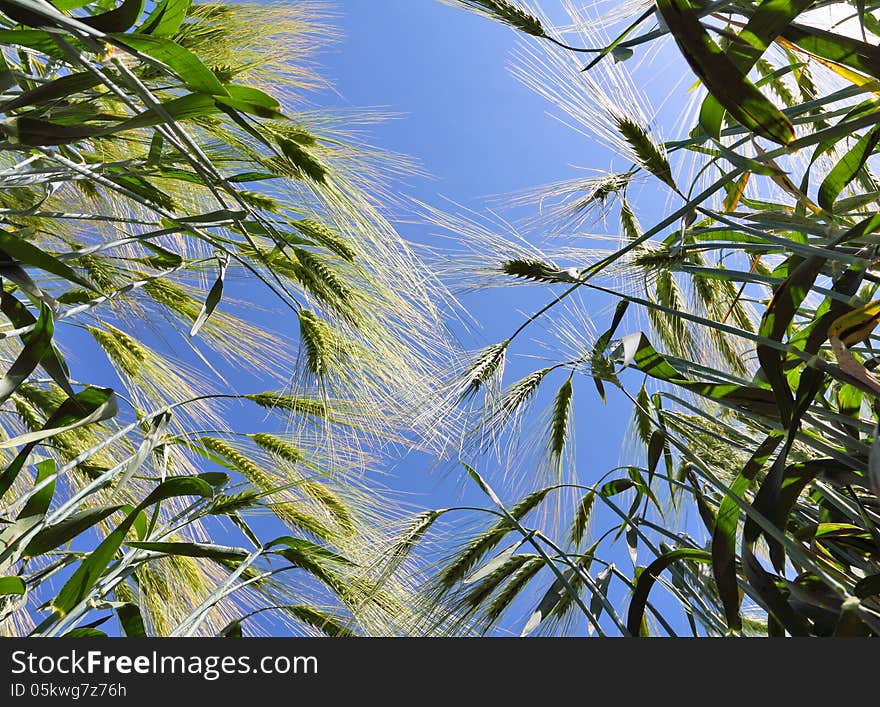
323 347
508 13
651 156
123 350
560 422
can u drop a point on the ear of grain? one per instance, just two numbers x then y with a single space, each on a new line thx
650 155
534 270
512 589
122 349
775 82
331 503
508 13
642 412
329 624
654 257
629 223
293 516
317 276
321 345
582 518
259 201
173 297
516 397
228 504
299 162
325 236
411 536
486 541
280 448
477 596
312 407
488 363
672 329
560 422
315 490
247 468
577 582
100 271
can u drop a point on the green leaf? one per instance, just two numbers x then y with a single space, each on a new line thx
298 547
603 581
721 77
874 462
648 577
119 19
77 588
192 105
85 632
11 537
17 250
251 177
551 599
217 479
781 311
37 345
724 534
498 561
52 362
12 585
613 488
646 359
178 486
36 132
220 216
231 630
213 298
847 169
56 535
35 39
131 621
711 116
603 341
769 20
61 88
88 406
251 100
65 5
839 48
166 18
656 446
867 586
38 504
141 523
182 549
153 438
182 62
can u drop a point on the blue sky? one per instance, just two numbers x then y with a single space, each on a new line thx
466 119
